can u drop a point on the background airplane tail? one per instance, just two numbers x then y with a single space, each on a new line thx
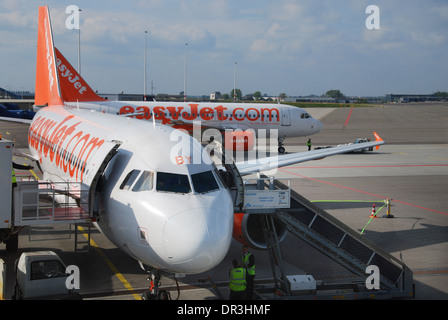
47 91
73 86
56 80
377 138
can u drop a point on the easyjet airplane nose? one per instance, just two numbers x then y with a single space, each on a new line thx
196 240
318 126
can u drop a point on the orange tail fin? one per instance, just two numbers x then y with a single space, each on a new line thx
73 86
377 138
47 91
56 80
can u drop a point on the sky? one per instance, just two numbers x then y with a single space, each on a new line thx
297 47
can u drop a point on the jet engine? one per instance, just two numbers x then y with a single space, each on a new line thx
248 230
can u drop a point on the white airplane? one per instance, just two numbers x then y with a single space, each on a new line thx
161 201
234 118
173 217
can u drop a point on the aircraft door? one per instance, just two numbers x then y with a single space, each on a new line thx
97 164
286 117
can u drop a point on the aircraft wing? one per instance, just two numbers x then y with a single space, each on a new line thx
18 120
269 163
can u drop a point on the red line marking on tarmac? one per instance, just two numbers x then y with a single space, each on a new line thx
360 191
348 117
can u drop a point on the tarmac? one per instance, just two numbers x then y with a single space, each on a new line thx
411 170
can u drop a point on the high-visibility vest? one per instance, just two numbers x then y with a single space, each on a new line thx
14 179
250 270
237 279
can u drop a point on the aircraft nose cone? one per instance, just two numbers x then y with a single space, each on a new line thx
196 240
318 126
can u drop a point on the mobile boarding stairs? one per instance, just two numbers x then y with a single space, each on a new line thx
276 202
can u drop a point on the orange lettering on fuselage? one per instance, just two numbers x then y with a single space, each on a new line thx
49 143
166 114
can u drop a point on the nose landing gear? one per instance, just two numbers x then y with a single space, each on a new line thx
154 278
154 293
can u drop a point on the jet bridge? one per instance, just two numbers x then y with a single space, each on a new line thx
279 205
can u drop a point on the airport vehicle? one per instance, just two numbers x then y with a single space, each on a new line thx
10 110
358 140
362 140
241 122
151 189
42 275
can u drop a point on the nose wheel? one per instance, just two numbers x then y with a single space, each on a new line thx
154 278
154 293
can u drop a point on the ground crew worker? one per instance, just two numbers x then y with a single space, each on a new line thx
309 144
237 284
18 166
248 261
14 179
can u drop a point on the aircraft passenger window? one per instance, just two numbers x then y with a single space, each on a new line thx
172 182
144 183
129 180
204 182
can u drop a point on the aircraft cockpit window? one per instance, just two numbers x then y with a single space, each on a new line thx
172 182
204 182
304 116
145 182
129 180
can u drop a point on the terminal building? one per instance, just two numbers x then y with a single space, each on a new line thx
388 98
406 98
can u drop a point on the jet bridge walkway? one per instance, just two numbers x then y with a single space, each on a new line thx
342 244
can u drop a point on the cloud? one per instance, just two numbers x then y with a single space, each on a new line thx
288 46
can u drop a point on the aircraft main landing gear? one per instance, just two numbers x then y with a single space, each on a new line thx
281 148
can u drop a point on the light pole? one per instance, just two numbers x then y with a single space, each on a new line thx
185 74
144 69
79 47
234 83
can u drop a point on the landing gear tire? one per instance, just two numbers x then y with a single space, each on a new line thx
281 148
161 295
147 296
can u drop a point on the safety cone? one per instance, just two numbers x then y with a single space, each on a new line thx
373 215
